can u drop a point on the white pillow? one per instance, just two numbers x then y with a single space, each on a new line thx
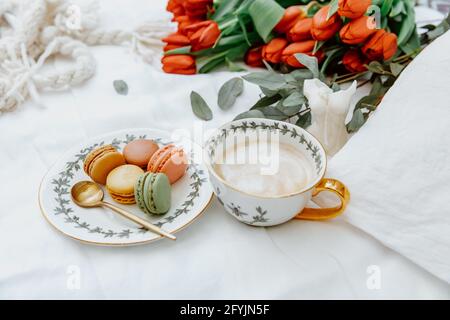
397 166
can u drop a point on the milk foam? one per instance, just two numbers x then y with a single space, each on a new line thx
292 172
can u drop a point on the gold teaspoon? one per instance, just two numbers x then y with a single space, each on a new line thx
88 194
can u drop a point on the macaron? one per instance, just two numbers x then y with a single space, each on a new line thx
101 161
152 193
121 181
139 152
169 160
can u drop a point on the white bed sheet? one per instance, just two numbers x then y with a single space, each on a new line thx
216 257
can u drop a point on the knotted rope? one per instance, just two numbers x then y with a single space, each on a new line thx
39 29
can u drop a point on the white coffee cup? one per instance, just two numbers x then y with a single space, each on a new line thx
267 210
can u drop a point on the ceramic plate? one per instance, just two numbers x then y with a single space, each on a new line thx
190 196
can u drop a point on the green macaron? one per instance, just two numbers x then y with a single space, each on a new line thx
152 193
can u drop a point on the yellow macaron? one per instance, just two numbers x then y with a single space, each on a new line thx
101 161
121 181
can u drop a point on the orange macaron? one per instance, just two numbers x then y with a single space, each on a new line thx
101 161
170 160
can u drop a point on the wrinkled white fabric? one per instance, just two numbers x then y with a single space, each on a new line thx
398 165
215 257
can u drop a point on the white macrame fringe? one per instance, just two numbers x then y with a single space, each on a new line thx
33 30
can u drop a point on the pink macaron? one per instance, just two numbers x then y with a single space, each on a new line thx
170 160
139 152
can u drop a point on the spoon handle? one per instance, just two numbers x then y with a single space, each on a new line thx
139 221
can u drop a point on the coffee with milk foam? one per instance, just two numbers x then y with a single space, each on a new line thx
265 169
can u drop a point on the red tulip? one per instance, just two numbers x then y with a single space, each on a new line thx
196 8
175 40
203 34
271 52
301 30
323 29
353 8
305 47
290 17
179 64
253 57
382 45
358 30
354 61
176 7
184 22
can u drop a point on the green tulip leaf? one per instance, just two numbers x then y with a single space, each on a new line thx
265 15
408 26
182 50
334 6
386 7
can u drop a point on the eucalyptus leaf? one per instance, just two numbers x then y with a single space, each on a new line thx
396 68
266 79
267 101
357 121
309 62
377 87
301 74
369 102
121 87
229 92
377 67
267 92
304 121
335 87
273 113
290 111
265 15
200 107
250 114
294 99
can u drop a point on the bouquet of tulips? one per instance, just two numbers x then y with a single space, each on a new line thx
344 35
336 41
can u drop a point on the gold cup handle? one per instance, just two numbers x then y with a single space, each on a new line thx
334 186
